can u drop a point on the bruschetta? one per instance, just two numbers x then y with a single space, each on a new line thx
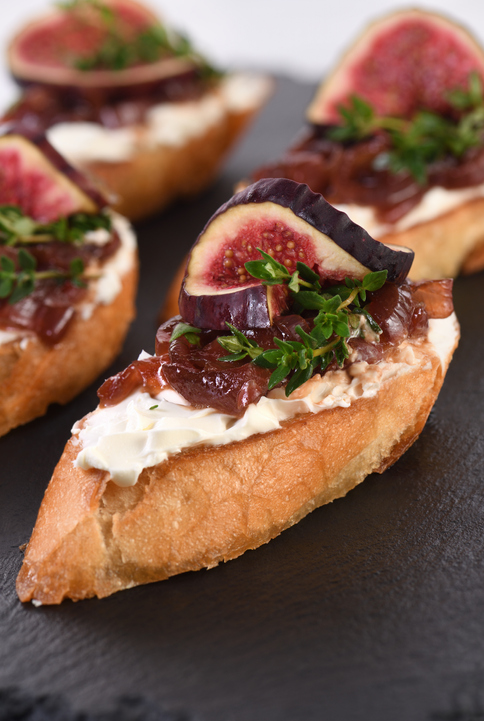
303 361
68 278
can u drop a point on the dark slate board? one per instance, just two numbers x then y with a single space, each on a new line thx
371 608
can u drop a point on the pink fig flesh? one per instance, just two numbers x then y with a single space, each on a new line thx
38 180
401 63
45 50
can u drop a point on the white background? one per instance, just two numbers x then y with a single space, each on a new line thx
301 38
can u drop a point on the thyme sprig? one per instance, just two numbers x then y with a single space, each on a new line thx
423 139
119 50
17 284
191 333
340 313
271 272
16 228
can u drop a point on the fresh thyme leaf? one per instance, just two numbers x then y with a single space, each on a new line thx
76 268
26 260
374 281
281 372
309 339
6 285
310 300
7 264
338 319
269 270
371 321
120 49
19 229
191 333
423 139
309 275
300 376
152 408
341 352
17 284
238 346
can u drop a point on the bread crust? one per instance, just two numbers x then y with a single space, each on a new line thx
445 246
211 504
155 176
34 376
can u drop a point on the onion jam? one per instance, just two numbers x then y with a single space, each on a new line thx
347 173
197 374
50 308
43 106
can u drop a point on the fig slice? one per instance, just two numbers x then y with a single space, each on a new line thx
36 178
43 51
401 63
291 223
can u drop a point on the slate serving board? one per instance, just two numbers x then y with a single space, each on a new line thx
371 608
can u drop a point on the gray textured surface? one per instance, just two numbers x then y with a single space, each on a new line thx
370 609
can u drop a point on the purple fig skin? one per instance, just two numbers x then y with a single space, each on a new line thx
315 210
36 136
252 307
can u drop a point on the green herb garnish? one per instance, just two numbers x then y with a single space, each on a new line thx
191 333
17 284
340 316
120 49
16 228
425 138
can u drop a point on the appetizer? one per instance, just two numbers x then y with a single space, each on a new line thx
396 140
130 100
303 361
68 275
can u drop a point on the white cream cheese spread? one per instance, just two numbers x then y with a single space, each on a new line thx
435 202
104 289
169 124
143 431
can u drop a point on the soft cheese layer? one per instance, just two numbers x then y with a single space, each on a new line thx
105 289
435 202
143 431
169 124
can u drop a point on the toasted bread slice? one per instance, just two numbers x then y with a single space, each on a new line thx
33 375
205 505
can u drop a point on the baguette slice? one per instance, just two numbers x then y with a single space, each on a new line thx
205 505
33 375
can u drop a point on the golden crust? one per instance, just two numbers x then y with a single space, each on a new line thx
207 505
447 245
155 177
38 375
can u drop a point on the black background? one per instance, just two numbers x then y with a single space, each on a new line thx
371 608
